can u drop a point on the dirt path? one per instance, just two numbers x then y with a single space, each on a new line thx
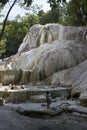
10 120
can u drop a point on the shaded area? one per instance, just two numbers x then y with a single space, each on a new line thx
13 121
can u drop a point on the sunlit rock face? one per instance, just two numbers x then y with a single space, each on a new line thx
49 58
40 34
30 40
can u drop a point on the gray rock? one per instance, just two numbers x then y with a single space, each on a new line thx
83 99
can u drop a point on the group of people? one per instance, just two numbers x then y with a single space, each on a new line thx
14 87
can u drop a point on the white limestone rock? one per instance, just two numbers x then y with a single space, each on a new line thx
75 77
40 34
30 40
49 58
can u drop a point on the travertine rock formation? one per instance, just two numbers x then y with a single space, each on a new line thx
40 34
55 53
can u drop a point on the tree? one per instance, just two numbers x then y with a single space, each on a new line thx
31 19
14 34
73 13
54 14
51 16
3 2
25 2
54 3
77 12
15 31
63 15
4 23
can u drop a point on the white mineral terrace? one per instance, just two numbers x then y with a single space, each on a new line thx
32 93
32 88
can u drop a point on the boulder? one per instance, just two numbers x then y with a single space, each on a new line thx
83 99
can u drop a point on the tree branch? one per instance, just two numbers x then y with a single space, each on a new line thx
4 23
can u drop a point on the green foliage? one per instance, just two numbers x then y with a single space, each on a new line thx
3 2
28 2
63 16
73 13
15 31
54 3
25 2
77 12
2 47
44 18
51 16
59 11
14 34
31 19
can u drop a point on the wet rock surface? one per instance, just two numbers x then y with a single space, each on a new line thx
32 93
63 114
66 121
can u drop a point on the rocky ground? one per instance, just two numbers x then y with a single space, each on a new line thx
11 120
63 114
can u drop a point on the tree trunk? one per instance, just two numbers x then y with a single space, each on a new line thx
4 23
